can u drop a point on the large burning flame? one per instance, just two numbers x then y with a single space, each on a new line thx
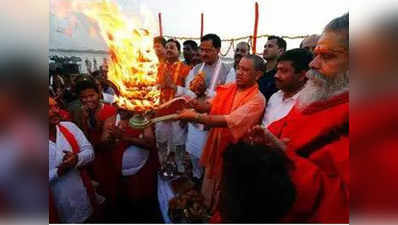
133 65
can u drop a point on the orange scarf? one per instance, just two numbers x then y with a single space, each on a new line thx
83 172
220 138
179 72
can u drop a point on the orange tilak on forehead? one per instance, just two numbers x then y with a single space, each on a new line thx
329 41
319 49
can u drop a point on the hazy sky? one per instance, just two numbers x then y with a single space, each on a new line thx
232 18
235 18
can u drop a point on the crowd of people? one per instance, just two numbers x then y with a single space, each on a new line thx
265 139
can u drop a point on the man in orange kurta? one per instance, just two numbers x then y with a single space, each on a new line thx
235 108
172 72
170 136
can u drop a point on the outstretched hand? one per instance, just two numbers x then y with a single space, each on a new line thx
199 105
194 103
187 115
259 135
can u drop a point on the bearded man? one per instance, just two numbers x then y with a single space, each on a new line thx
314 135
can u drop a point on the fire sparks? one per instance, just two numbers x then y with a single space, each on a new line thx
133 62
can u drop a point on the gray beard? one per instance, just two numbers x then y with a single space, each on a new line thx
320 87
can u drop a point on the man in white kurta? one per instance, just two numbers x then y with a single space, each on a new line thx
215 74
67 189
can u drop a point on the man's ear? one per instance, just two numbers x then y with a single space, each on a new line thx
281 51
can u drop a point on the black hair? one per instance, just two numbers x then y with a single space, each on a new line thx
84 83
176 42
279 41
299 57
256 186
159 39
258 62
340 25
214 38
190 43
246 43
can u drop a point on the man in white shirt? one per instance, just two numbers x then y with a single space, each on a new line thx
69 151
215 73
242 49
289 79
